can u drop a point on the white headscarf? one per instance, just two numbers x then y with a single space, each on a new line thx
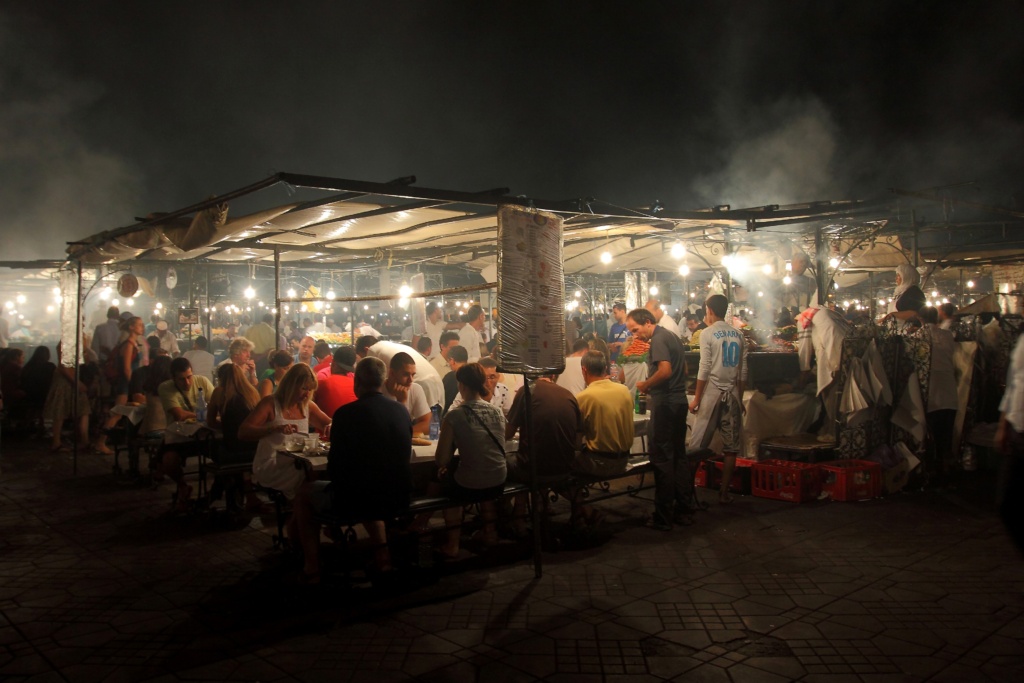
908 276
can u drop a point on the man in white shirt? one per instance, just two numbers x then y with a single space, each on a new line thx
820 335
167 340
106 336
435 328
572 377
1010 442
447 341
666 321
469 335
947 316
399 385
240 353
500 395
200 358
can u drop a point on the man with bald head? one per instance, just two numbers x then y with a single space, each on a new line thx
666 321
305 355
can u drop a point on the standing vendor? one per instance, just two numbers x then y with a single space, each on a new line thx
803 289
908 298
821 333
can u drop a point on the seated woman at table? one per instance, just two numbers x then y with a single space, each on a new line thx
60 404
289 410
280 363
477 430
230 404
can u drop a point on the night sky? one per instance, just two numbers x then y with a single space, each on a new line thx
114 110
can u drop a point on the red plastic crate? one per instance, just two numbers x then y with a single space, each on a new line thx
851 479
709 475
796 482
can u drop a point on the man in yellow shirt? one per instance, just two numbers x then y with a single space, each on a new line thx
607 412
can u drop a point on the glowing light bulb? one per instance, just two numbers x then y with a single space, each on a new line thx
767 269
20 298
577 294
56 290
787 280
405 291
934 293
970 284
678 251
760 293
345 309
606 257
366 307
330 294
684 270
833 262
49 309
159 305
249 292
291 293
654 290
9 305
115 302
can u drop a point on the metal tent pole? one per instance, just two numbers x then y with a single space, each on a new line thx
78 366
277 296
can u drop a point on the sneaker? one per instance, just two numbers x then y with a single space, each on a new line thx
682 518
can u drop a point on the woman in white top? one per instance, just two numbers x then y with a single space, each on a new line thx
942 396
477 429
288 411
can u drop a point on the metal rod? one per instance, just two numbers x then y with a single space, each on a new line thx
78 366
391 297
277 296
535 517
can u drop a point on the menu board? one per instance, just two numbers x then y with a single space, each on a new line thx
531 291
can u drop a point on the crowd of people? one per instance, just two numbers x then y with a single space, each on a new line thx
371 399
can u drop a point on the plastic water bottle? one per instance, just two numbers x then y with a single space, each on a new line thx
435 422
614 371
201 407
636 402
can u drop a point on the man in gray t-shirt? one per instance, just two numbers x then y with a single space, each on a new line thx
666 386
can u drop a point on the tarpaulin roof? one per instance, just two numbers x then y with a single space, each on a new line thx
357 223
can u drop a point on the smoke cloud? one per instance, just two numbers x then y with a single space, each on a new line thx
785 153
54 184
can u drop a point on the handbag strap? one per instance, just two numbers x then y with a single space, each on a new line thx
499 444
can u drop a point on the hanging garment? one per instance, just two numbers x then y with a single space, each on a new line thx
854 405
909 414
881 392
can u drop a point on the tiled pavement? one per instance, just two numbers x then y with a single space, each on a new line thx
97 584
